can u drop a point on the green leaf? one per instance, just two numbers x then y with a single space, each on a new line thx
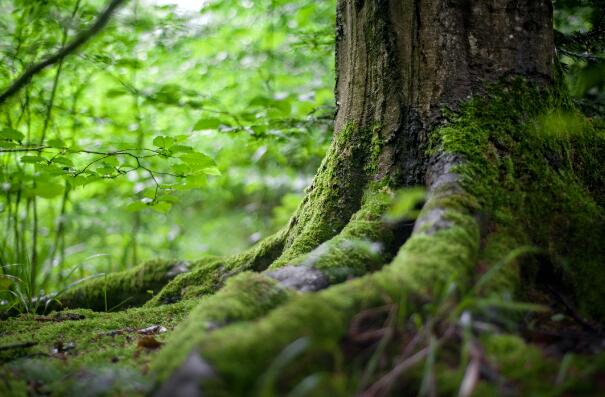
129 62
32 159
82 180
180 149
169 94
406 204
56 142
11 134
148 192
260 101
47 189
210 123
46 169
211 171
115 92
162 207
163 141
63 160
135 206
280 106
169 199
192 182
111 161
105 170
180 169
197 160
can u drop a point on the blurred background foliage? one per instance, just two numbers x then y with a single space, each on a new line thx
580 41
184 128
180 130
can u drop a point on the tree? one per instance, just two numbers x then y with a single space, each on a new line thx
464 98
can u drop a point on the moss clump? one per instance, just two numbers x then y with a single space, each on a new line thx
529 370
206 278
335 194
245 297
365 243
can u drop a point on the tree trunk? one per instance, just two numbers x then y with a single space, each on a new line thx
400 63
451 94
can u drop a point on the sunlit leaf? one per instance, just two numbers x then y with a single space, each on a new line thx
47 189
10 133
135 206
163 141
162 207
197 160
207 124
169 199
63 160
115 92
180 149
56 142
211 171
32 159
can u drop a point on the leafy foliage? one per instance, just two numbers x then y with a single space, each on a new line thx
169 131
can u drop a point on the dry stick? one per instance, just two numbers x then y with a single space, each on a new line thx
80 39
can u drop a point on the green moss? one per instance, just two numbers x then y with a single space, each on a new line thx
532 188
210 274
531 371
206 278
101 350
244 297
335 194
122 289
363 245
538 170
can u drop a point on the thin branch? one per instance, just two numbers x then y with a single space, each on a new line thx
78 41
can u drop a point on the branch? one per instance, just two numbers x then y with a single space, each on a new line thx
80 39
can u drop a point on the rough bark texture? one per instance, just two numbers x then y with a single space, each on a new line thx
401 62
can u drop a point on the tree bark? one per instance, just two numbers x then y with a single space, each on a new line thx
400 63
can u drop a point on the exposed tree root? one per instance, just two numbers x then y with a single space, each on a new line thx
442 251
121 290
365 244
159 282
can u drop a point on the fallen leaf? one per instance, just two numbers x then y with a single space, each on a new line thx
148 342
